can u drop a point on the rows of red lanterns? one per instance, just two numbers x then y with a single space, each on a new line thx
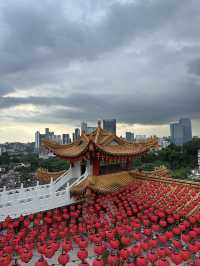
143 224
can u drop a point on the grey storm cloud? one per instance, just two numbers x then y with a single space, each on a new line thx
39 32
194 67
149 110
135 59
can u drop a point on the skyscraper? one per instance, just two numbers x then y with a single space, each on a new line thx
130 137
83 127
66 139
110 125
76 134
37 141
181 132
187 129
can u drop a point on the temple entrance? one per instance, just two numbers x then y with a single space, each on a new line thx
83 166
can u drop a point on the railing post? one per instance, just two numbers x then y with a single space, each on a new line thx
51 187
68 192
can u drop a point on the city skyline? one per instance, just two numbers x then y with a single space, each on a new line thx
80 64
121 130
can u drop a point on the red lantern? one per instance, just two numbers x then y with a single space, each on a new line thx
113 259
41 262
67 246
26 255
197 262
176 258
141 261
163 262
99 249
82 254
98 262
124 254
114 243
63 258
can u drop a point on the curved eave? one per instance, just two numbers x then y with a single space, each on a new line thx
68 151
124 152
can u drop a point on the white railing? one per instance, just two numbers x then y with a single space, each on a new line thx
63 179
80 179
35 204
25 201
9 195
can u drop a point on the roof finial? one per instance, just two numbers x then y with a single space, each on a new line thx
99 123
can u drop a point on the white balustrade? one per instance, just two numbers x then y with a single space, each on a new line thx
25 201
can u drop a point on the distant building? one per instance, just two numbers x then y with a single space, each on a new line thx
37 141
181 132
83 127
130 137
47 135
66 139
140 138
199 158
90 129
86 129
110 125
47 132
187 129
76 134
163 143
2 150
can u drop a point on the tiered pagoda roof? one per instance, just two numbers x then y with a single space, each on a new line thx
100 141
45 176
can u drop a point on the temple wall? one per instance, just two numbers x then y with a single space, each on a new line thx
76 169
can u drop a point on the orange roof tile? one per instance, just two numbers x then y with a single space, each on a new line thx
103 141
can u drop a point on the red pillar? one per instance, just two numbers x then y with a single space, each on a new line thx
96 166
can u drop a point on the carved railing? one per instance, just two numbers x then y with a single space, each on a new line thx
25 201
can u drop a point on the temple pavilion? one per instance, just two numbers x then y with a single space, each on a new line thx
101 153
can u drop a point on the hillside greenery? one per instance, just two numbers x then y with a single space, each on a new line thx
179 159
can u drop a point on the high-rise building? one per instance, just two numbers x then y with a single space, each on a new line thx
76 134
83 127
130 137
47 131
110 125
181 132
66 139
187 129
37 141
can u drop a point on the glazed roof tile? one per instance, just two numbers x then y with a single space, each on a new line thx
103 141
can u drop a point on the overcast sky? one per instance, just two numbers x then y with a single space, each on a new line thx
62 62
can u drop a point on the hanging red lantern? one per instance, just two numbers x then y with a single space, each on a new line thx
63 258
82 254
99 248
41 262
98 262
141 261
26 255
49 252
113 259
152 257
67 245
163 262
124 254
114 243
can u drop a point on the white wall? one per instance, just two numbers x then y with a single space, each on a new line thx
76 169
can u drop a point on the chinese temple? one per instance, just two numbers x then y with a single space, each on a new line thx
100 153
